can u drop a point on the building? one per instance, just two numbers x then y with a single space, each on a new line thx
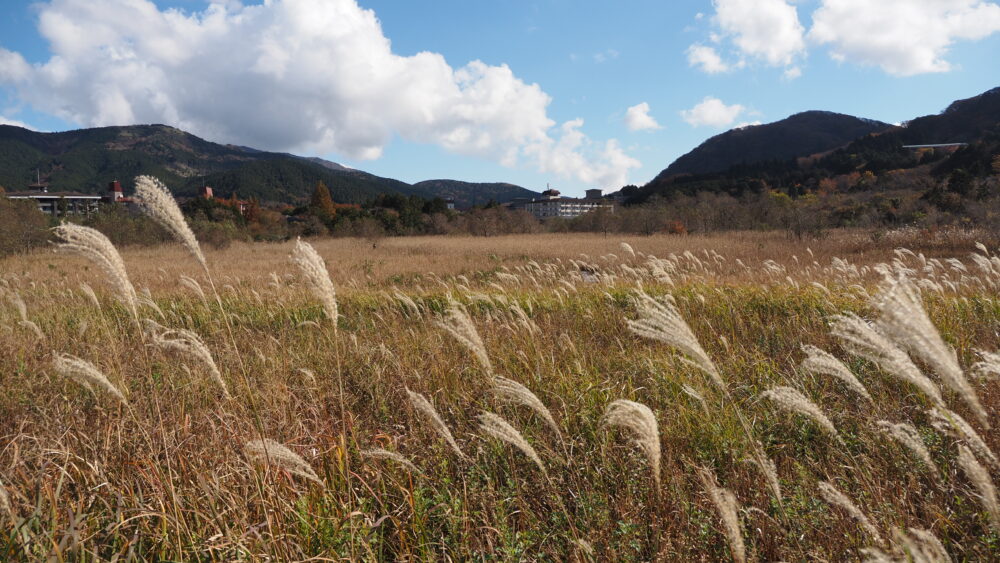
552 204
58 203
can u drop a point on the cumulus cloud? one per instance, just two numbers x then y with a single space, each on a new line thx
14 122
768 30
713 113
313 76
903 37
706 59
637 118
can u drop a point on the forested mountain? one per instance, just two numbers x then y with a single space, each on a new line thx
86 160
802 134
855 163
467 194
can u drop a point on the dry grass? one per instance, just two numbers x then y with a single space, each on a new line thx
179 473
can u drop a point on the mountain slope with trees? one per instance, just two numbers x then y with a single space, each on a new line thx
85 160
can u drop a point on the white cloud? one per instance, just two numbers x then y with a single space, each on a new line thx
313 76
605 56
745 124
14 122
637 118
764 29
903 37
706 58
791 73
713 113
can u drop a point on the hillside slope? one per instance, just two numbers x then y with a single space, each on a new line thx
467 194
801 134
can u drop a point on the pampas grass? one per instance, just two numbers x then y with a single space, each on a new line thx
313 267
187 343
907 436
458 324
728 509
85 373
791 400
638 419
424 407
661 320
906 322
860 339
379 453
89 292
273 453
94 246
159 204
516 393
950 422
499 428
5 503
980 478
833 496
820 362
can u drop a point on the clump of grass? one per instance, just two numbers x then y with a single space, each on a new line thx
640 421
273 453
379 453
793 401
514 392
820 362
907 436
94 246
906 322
313 267
728 508
860 339
660 320
159 204
86 374
187 343
981 479
425 408
496 426
833 496
458 324
5 503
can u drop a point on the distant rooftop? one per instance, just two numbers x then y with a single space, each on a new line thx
938 145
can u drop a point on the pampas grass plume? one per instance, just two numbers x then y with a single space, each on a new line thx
514 392
793 401
425 408
85 373
273 453
458 324
820 362
980 478
499 428
906 322
379 453
313 267
728 509
833 496
156 201
661 320
638 419
94 246
187 343
908 437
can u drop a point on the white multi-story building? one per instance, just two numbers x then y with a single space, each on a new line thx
551 204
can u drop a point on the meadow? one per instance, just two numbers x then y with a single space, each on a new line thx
741 396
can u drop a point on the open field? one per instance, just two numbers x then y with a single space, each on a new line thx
175 468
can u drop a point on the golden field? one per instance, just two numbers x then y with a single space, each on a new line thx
174 470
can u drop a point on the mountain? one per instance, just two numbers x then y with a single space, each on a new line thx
802 134
86 160
468 194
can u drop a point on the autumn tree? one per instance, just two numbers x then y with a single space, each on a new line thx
322 202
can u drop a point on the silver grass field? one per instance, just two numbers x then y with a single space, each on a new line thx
740 397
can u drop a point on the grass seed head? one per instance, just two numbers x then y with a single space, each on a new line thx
820 362
514 392
981 479
159 204
379 453
640 421
499 428
728 508
458 324
793 401
271 452
424 407
833 496
85 373
94 246
313 267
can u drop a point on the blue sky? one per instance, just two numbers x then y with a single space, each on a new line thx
524 92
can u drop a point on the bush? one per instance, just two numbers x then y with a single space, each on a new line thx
22 226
